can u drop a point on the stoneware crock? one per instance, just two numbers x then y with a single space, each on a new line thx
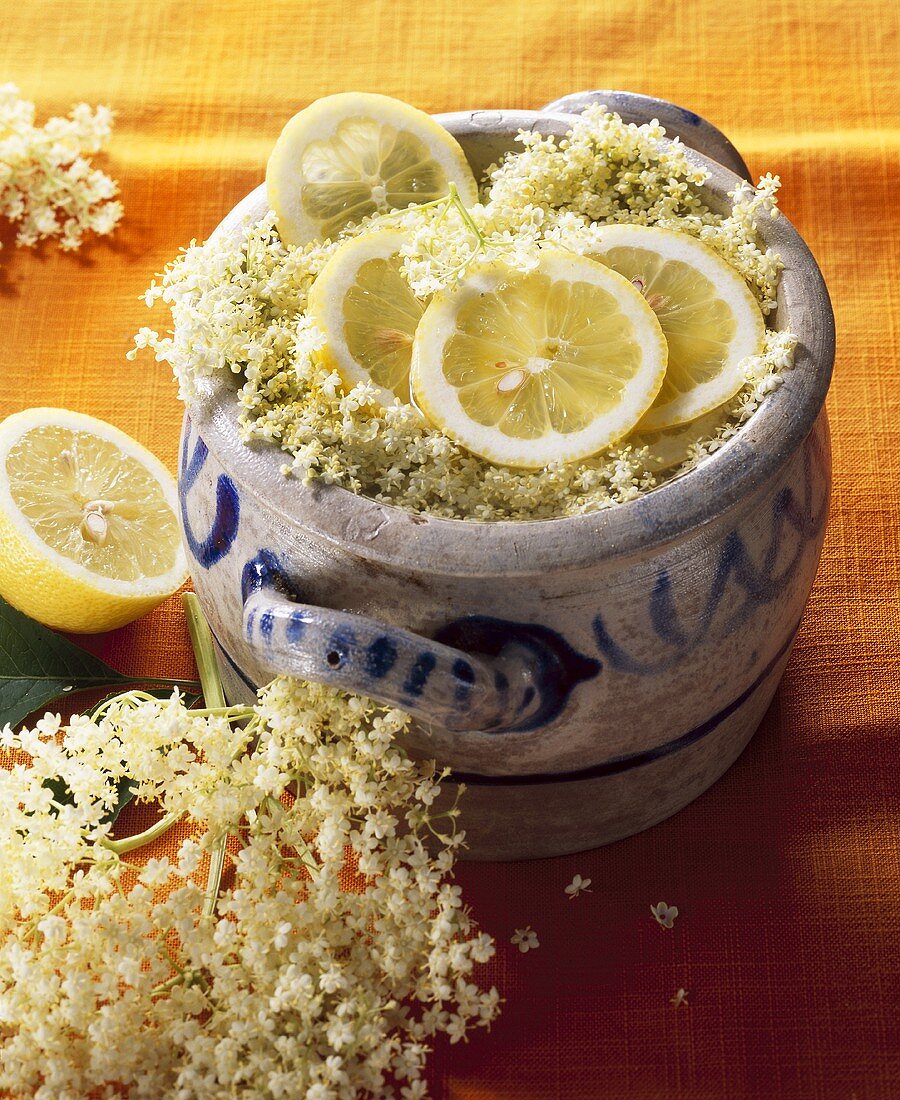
585 677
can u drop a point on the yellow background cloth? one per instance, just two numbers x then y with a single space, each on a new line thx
786 873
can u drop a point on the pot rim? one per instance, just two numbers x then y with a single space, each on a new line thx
390 535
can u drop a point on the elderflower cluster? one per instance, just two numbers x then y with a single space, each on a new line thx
117 978
238 304
48 185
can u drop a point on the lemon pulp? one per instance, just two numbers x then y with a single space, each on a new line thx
366 168
697 324
367 312
539 356
58 478
382 314
89 538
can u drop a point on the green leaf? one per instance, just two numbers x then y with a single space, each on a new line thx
125 789
37 665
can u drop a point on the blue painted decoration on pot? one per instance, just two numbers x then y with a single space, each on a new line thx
210 549
559 666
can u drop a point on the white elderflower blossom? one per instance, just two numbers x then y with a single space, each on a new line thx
48 185
664 914
525 939
284 986
577 886
238 304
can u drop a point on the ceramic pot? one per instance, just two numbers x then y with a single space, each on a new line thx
585 677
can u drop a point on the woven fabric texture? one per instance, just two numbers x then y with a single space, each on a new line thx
786 873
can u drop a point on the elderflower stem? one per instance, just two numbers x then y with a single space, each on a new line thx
444 201
304 855
129 843
447 202
214 876
308 859
454 200
465 215
33 930
214 697
176 979
202 642
236 713
188 685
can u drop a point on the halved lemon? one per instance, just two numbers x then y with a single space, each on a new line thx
710 318
552 365
89 535
353 154
364 307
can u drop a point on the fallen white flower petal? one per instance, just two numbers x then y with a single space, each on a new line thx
664 914
525 939
577 886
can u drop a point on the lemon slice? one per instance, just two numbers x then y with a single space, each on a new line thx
669 447
552 365
350 155
89 538
710 318
364 307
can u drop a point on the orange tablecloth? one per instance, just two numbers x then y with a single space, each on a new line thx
786 873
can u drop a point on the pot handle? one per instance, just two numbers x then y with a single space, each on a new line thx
433 682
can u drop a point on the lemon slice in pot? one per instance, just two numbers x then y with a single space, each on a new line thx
364 307
709 316
670 447
89 535
354 154
546 366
